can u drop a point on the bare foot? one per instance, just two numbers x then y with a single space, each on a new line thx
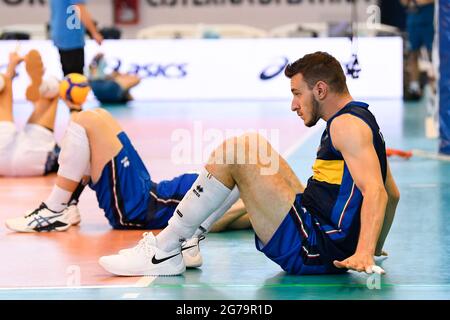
35 70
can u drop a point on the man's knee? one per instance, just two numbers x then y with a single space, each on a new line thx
87 119
102 112
255 149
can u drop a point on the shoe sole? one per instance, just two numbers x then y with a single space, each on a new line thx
35 70
192 262
58 229
155 273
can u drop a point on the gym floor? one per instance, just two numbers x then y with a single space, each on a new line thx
64 265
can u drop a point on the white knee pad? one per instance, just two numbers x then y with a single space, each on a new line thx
74 159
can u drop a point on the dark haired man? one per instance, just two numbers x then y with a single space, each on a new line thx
338 222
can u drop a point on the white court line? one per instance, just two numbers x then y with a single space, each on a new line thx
130 295
141 283
28 187
144 282
69 287
309 133
430 155
423 185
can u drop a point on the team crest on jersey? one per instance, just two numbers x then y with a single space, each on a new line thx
125 162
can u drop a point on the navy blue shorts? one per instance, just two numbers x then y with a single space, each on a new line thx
108 91
128 196
420 28
297 245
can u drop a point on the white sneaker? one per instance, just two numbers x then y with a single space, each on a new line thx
44 219
145 259
190 250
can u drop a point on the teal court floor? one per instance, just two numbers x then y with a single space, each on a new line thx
418 244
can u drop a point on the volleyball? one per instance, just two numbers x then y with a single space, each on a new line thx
74 88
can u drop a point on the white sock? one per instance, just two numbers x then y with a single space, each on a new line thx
75 153
414 86
58 199
216 215
205 196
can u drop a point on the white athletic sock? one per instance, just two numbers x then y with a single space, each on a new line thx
75 153
58 199
414 86
216 215
205 196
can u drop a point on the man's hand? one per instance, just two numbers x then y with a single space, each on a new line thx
98 38
361 263
72 106
15 59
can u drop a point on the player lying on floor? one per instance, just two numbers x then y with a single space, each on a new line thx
97 150
31 151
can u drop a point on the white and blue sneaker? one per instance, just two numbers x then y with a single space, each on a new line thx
145 259
43 219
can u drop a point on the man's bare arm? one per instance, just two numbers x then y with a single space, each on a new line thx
393 199
353 138
87 21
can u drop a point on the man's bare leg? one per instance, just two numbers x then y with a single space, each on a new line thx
413 64
127 81
44 113
101 129
6 95
267 198
234 219
6 100
268 189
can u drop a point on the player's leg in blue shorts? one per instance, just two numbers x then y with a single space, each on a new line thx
128 196
108 91
299 246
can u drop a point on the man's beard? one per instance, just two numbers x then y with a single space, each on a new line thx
314 113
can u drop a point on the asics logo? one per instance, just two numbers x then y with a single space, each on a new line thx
40 221
157 261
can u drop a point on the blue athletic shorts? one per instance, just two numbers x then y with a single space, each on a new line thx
128 196
108 91
420 28
299 246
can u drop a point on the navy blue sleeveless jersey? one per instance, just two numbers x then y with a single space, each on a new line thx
331 195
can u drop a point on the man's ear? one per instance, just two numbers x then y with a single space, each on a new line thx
320 90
